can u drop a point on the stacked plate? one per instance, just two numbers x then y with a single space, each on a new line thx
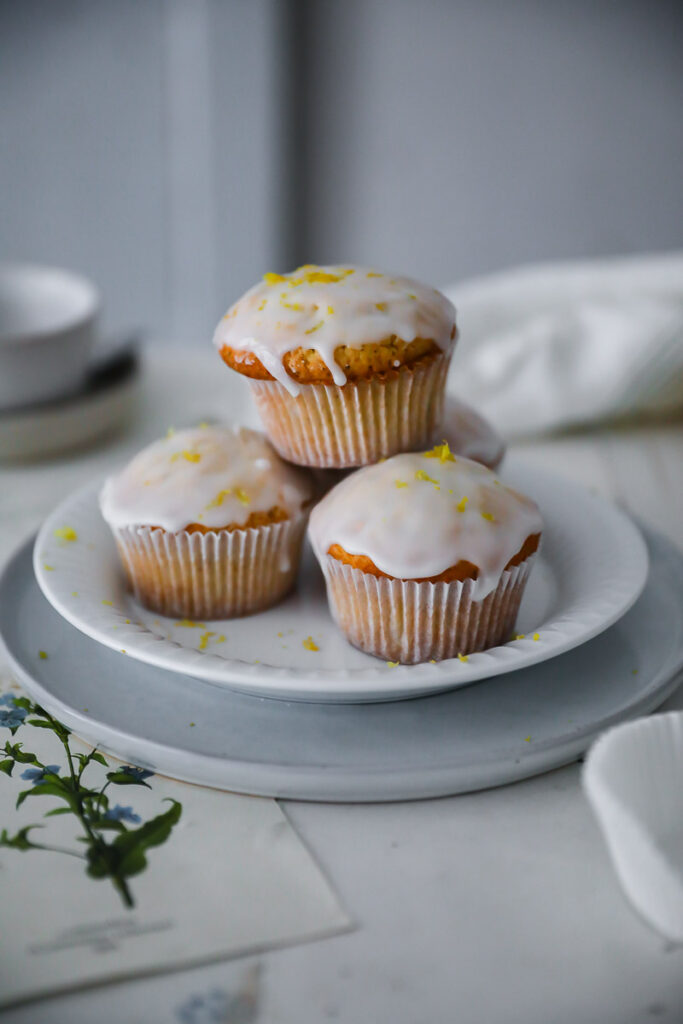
279 704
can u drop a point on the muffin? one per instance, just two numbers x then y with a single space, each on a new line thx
208 523
425 556
346 365
469 434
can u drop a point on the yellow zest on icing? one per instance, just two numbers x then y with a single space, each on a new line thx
381 306
310 644
330 310
271 278
373 273
49 568
187 455
74 593
401 483
488 517
203 425
411 296
42 655
461 504
527 739
109 603
242 495
190 624
66 533
393 664
219 499
421 475
220 639
204 639
262 305
463 657
312 330
536 636
442 452
520 636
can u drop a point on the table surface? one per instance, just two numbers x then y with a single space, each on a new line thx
500 906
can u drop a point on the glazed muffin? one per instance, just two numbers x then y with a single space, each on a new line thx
469 434
425 556
208 522
346 365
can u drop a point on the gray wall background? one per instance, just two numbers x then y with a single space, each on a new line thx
175 149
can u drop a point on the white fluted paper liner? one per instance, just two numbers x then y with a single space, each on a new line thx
216 575
328 426
633 778
409 622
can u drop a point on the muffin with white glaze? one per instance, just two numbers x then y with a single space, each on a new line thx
425 556
347 365
208 522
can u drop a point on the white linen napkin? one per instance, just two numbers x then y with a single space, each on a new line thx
546 347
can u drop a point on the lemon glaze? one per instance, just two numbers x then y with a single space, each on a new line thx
416 515
213 475
323 307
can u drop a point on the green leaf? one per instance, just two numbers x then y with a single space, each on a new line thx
39 723
153 833
57 810
20 841
15 751
124 779
7 765
25 703
100 758
49 789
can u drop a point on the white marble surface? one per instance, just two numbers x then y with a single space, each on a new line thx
493 908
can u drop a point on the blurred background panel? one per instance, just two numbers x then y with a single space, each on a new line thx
454 137
140 144
175 149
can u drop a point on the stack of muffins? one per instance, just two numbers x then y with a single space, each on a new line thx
425 552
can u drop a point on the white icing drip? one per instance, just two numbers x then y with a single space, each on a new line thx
358 307
426 527
237 473
469 434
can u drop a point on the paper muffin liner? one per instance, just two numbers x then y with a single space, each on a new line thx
328 426
632 778
216 575
409 622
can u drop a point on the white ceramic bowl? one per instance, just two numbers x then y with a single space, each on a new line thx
47 330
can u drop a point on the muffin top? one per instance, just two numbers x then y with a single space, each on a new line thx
417 515
325 310
210 477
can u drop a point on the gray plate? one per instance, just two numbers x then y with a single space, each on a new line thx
494 732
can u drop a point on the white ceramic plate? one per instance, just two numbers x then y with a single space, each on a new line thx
592 568
504 729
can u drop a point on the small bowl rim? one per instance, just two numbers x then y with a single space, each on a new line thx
88 315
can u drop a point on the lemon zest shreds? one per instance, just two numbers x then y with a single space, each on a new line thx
463 657
330 310
442 452
107 602
242 496
204 639
527 739
190 624
421 475
488 517
220 639
186 454
400 483
42 655
203 425
262 306
219 499
74 593
310 644
520 636
381 306
49 568
393 664
373 273
411 296
66 533
271 278
461 504
316 327
536 636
